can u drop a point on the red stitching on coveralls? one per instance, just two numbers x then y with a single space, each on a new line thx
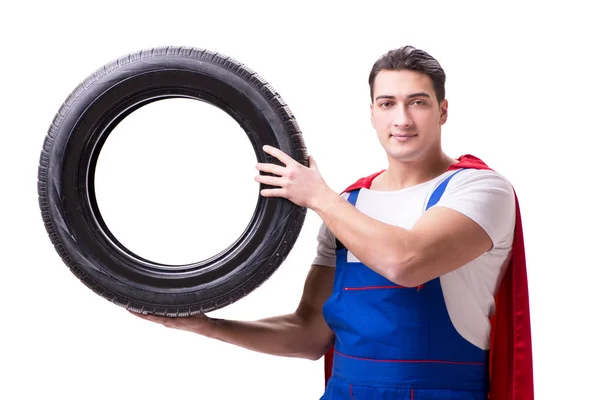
351 395
410 361
412 394
383 287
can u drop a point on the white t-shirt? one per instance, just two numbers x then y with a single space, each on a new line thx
484 196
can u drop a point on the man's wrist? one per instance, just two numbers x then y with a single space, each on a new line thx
212 329
326 203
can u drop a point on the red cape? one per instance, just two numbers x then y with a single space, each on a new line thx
511 364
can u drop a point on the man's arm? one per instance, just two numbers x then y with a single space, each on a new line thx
441 241
303 333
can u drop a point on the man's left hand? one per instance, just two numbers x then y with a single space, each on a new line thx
302 185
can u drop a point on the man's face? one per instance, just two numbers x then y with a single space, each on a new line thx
406 114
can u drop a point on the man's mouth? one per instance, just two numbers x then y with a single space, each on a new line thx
403 137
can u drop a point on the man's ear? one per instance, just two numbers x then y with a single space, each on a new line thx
372 118
443 111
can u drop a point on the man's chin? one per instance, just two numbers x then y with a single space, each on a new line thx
403 156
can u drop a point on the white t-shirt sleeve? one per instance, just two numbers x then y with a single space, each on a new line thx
487 198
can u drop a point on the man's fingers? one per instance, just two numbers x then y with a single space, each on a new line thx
271 168
139 315
269 180
155 318
160 320
272 192
280 155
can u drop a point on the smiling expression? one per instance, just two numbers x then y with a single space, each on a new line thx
406 114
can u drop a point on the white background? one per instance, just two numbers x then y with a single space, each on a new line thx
522 87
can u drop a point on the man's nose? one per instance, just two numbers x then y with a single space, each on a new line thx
402 118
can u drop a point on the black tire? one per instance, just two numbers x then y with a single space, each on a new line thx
66 181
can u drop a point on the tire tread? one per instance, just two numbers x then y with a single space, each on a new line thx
268 92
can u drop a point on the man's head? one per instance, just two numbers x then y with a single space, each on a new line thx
410 59
408 103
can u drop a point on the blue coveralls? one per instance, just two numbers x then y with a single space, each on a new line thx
393 342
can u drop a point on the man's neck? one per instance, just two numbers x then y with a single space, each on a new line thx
404 174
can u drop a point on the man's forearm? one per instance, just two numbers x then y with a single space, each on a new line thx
285 335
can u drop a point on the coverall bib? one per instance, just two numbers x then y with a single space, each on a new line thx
394 342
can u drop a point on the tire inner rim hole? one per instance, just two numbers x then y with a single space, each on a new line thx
174 181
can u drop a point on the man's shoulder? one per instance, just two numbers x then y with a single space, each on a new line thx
480 178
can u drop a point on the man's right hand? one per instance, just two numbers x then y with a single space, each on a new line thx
200 324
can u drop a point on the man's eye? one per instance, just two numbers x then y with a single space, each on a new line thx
386 104
418 102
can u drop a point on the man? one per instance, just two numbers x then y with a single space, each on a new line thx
409 262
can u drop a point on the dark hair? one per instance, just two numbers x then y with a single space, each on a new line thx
412 59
